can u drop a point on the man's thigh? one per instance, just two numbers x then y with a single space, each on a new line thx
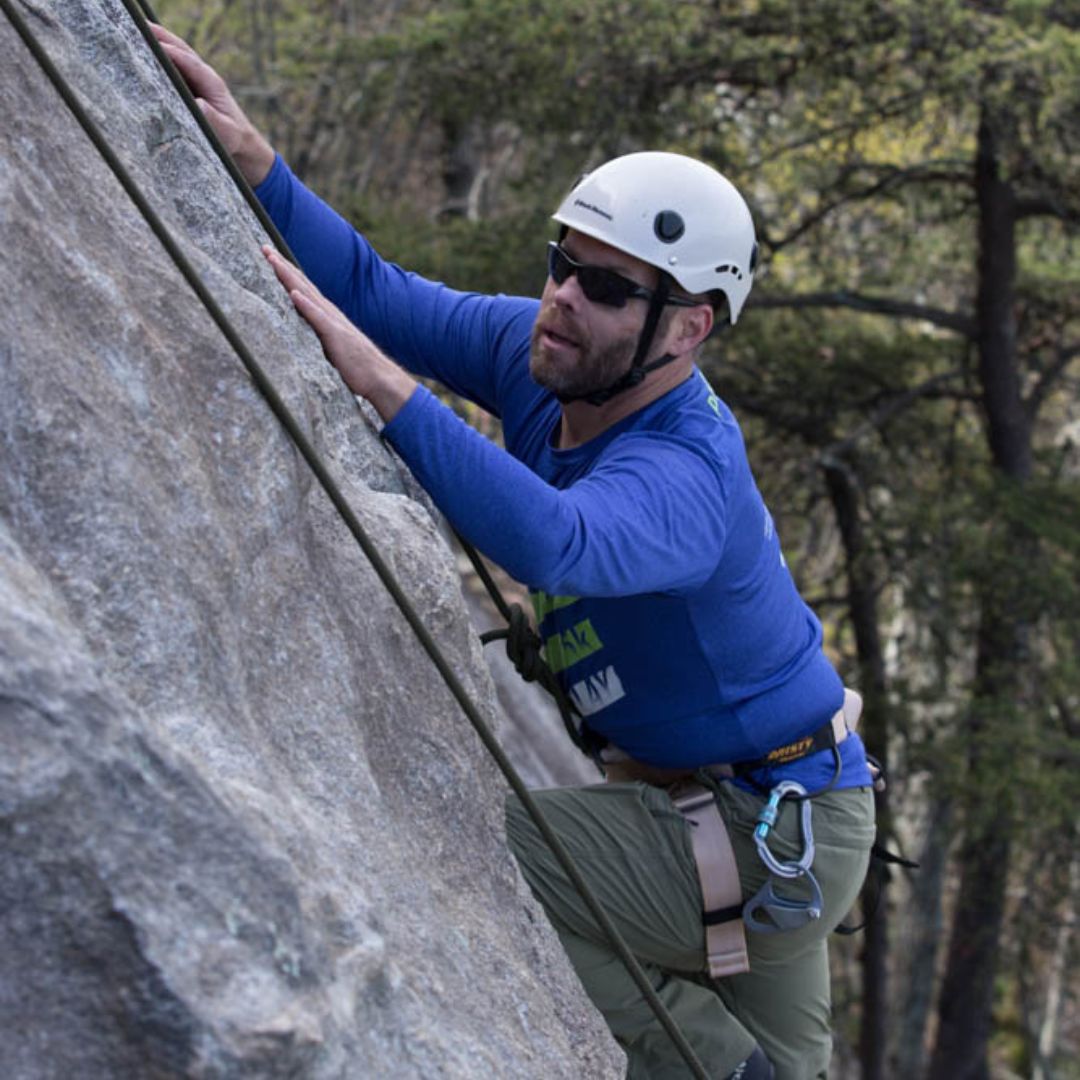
633 849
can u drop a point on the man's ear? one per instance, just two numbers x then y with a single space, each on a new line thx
691 327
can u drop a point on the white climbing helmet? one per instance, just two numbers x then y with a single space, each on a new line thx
673 212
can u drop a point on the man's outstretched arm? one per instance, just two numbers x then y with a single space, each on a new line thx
611 534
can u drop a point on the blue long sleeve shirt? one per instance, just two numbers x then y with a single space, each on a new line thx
660 589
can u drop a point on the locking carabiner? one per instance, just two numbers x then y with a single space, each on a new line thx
782 912
767 819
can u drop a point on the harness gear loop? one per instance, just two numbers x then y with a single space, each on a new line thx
877 876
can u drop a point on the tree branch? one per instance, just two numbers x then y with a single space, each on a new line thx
1046 205
956 321
831 456
888 177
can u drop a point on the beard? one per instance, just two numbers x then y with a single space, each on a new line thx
584 370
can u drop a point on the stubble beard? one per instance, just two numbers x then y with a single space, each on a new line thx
594 369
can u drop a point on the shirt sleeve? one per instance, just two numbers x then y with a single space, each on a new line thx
649 517
464 340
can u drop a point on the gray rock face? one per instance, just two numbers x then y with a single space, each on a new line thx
244 828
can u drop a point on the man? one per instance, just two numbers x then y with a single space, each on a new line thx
625 501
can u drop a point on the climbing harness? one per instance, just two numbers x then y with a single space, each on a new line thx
693 792
329 485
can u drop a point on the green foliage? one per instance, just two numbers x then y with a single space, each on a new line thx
505 255
550 64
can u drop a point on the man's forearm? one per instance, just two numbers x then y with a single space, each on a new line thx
254 157
389 389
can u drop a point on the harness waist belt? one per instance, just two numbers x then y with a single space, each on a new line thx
843 722
620 767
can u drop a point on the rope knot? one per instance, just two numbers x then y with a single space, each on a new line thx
523 646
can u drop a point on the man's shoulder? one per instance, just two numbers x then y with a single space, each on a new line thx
694 413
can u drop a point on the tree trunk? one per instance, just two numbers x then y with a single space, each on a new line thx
921 949
966 1003
1055 978
862 607
965 1007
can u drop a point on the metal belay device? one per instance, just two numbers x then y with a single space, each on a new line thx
783 912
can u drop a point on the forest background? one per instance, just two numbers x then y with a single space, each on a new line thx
906 373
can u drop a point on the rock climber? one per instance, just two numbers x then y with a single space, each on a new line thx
625 501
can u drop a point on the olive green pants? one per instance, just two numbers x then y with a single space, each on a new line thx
633 848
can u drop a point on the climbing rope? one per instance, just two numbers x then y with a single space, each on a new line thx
332 490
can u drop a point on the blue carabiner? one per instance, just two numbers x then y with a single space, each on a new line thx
767 815
767 819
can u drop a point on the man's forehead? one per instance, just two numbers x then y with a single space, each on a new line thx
587 249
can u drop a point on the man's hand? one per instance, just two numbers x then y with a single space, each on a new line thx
253 155
366 370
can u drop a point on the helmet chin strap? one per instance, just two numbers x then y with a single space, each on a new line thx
638 369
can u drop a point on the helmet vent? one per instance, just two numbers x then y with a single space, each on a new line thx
668 226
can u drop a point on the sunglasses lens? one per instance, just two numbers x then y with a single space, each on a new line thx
603 286
560 266
599 285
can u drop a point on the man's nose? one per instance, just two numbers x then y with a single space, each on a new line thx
568 292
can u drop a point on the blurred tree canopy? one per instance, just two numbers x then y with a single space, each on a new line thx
906 373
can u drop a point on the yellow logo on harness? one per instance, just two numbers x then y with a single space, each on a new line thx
791 752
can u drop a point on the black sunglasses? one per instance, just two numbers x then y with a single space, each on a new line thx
600 285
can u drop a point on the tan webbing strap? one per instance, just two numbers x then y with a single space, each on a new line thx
721 892
850 713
